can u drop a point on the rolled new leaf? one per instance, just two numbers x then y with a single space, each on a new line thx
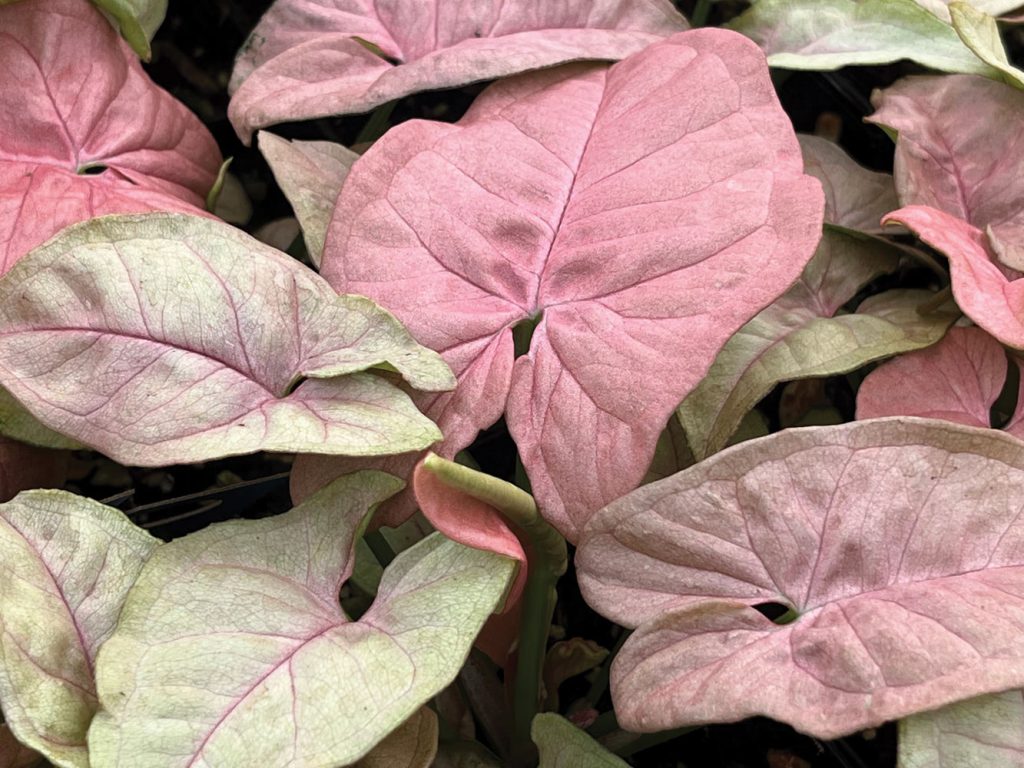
897 543
138 19
163 338
66 564
232 648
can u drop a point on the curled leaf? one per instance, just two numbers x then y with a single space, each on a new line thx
312 58
988 293
139 20
980 33
83 130
162 338
66 565
848 527
829 34
232 648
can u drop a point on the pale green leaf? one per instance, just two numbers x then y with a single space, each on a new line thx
798 337
310 174
18 424
162 338
980 33
233 650
829 34
563 745
66 564
139 20
984 732
412 745
992 7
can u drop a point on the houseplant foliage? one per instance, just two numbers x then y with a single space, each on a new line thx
562 332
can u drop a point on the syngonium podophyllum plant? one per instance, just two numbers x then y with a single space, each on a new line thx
621 248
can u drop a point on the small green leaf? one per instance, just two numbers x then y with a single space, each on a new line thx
829 34
232 648
139 20
980 33
798 337
66 564
563 745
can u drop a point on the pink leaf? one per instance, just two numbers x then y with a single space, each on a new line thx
958 150
74 97
310 58
958 380
898 544
988 293
643 213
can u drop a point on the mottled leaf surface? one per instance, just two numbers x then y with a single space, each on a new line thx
232 648
139 20
957 150
959 379
74 100
310 174
898 543
563 745
829 34
802 336
988 293
978 733
66 564
636 245
163 338
311 58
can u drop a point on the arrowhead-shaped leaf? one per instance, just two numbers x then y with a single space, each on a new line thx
139 20
311 58
311 174
988 293
638 214
163 338
232 648
848 526
959 379
956 151
563 745
829 34
66 564
977 733
74 100
801 336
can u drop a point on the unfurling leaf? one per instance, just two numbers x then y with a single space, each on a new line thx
66 564
73 100
139 20
850 528
163 338
232 648
312 58
637 216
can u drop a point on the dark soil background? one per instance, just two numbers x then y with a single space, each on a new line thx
193 56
